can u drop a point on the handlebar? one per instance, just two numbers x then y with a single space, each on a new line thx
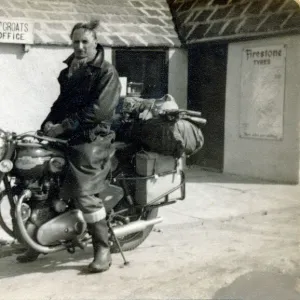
194 116
177 112
191 113
201 121
40 136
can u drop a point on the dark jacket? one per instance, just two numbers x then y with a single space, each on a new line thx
87 99
85 108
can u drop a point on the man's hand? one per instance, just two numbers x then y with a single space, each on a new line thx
54 130
47 126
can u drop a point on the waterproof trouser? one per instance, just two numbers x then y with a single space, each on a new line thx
85 178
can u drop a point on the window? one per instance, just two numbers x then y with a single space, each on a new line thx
147 69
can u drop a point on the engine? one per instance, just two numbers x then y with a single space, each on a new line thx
40 169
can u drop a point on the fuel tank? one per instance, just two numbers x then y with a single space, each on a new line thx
34 161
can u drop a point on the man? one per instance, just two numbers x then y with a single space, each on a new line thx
90 90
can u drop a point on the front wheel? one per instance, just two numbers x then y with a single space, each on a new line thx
132 241
5 208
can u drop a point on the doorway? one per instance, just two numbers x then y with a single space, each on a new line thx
206 93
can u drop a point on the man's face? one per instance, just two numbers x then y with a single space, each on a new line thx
84 43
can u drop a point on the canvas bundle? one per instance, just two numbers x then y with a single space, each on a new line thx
146 109
169 138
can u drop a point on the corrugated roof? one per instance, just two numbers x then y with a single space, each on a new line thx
128 23
211 20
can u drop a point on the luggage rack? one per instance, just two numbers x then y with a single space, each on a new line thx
123 179
165 195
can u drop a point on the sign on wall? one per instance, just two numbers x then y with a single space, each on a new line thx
262 92
123 81
16 31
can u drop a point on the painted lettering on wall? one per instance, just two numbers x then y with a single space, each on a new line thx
263 57
262 92
15 31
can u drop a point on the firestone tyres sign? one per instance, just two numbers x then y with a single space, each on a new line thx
263 92
16 31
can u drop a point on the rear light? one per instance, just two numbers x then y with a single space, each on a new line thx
3 144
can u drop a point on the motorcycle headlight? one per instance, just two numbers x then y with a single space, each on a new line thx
3 144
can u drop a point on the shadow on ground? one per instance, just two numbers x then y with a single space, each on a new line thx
262 286
47 263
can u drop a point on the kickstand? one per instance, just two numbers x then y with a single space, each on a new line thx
118 244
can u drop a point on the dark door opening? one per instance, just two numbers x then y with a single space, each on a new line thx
206 93
144 66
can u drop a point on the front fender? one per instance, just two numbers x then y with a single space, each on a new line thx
8 155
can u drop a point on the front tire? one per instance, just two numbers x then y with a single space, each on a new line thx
132 241
3 222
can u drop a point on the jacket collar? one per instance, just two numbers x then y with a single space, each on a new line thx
96 62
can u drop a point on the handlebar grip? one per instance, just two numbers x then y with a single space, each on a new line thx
191 113
202 121
40 133
41 136
198 120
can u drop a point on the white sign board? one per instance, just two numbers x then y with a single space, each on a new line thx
262 92
123 81
16 31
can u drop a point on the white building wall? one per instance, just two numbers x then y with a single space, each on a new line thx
261 158
29 84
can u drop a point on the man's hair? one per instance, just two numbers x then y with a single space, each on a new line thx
90 26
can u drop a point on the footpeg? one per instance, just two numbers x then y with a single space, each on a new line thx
81 244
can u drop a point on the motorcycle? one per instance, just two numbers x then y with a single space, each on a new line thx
32 169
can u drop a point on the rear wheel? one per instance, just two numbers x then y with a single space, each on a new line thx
132 241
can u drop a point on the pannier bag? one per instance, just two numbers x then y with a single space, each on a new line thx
168 176
148 190
152 163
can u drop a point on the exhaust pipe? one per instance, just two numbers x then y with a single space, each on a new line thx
28 240
121 231
135 226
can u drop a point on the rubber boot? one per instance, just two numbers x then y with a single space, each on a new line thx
29 256
102 257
